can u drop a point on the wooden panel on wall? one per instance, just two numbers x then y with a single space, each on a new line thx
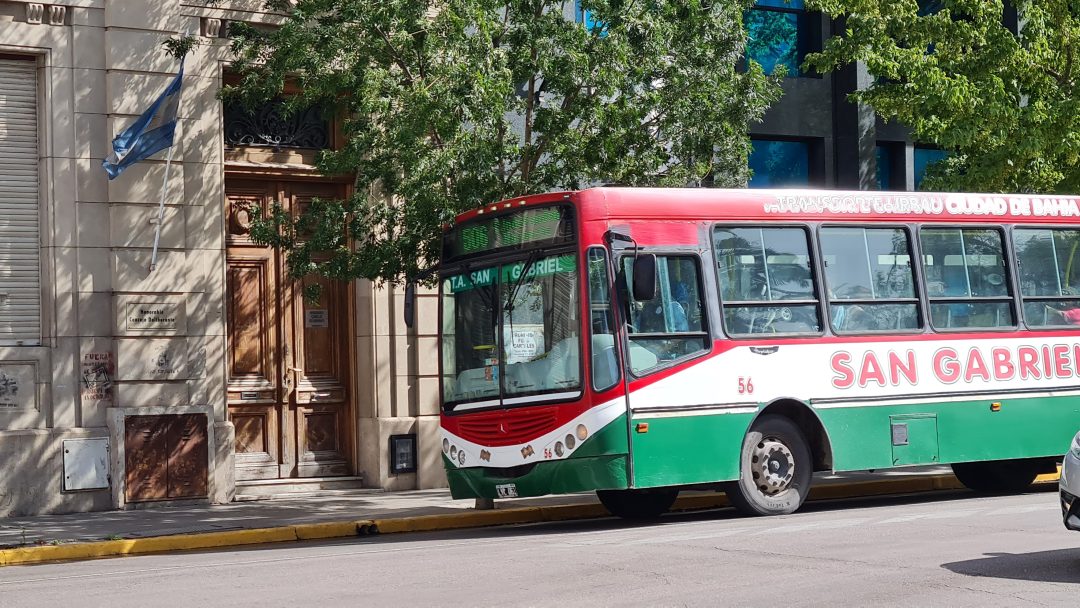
321 428
251 433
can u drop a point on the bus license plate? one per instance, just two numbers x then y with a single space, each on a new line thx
506 490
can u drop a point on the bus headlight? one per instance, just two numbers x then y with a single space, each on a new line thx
582 432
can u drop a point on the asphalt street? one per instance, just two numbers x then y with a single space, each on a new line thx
948 549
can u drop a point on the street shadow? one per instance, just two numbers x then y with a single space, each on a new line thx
1056 566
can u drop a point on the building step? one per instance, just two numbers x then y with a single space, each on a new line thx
269 489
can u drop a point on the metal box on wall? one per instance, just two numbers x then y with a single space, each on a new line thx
86 464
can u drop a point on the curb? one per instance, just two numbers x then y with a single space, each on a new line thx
430 523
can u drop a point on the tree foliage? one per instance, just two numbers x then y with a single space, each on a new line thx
446 105
1005 106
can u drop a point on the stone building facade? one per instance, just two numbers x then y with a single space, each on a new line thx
123 386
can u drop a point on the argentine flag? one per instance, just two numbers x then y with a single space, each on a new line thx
150 133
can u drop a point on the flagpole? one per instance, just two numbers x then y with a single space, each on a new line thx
161 209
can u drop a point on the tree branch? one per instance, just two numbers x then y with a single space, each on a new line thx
396 55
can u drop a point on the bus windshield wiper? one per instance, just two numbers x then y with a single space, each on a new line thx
534 255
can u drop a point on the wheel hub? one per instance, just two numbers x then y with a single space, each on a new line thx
772 466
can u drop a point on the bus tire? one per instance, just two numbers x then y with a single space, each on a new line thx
638 504
775 469
997 476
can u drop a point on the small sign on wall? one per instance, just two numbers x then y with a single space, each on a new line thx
152 315
316 317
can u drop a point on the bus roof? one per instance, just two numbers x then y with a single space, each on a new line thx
804 205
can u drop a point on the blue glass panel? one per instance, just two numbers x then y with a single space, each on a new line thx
884 167
585 17
779 163
773 40
792 4
923 158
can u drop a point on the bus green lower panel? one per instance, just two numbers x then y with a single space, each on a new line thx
688 449
552 477
864 437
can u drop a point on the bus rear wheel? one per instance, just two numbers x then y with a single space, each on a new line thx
638 504
775 469
997 476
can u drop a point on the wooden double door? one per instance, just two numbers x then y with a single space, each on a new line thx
288 389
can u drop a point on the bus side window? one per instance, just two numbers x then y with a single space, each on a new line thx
604 362
766 282
671 325
966 278
870 279
1049 273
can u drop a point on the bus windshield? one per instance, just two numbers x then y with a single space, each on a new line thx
510 333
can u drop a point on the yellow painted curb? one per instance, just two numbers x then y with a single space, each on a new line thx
1049 477
428 523
337 529
156 544
568 512
451 521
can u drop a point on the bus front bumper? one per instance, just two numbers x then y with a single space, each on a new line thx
550 477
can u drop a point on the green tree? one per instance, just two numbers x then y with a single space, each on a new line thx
1005 107
451 104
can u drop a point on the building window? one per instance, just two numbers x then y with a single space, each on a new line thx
924 157
884 155
271 125
584 16
777 163
777 35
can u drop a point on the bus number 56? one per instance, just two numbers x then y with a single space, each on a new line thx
746 386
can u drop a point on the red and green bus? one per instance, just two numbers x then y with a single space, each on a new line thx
638 341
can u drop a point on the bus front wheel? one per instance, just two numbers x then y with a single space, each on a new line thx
638 504
775 469
997 476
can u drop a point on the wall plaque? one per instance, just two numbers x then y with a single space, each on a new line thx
152 315
317 317
17 387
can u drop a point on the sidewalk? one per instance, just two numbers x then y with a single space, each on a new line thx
359 512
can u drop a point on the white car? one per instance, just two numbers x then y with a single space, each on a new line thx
1069 486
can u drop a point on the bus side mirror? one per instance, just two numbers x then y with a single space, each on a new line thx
410 304
644 277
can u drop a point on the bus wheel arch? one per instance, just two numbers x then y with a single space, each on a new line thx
811 426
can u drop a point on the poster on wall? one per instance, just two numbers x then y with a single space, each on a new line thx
98 372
